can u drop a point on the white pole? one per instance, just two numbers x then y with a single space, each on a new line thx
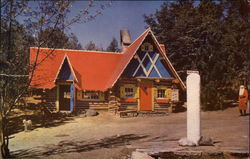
193 108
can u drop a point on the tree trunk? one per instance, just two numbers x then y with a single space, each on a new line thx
4 138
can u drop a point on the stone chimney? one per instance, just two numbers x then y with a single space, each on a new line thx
125 39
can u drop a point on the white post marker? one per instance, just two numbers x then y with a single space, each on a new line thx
193 108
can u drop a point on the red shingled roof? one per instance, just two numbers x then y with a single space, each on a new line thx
94 70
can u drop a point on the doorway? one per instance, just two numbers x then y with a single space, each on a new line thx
66 97
146 96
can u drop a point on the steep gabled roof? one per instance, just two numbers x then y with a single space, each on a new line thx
66 59
127 56
130 52
93 70
163 53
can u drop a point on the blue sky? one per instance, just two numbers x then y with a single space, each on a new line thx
120 15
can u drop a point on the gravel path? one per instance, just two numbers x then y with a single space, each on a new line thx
109 136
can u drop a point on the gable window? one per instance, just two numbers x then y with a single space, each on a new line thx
147 47
161 93
90 95
129 92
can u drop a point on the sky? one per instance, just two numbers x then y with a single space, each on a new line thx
120 15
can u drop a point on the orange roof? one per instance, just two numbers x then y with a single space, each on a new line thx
92 70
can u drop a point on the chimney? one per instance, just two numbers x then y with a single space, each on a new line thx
125 39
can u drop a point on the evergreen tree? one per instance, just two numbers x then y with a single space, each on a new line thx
211 37
113 46
73 43
91 46
58 39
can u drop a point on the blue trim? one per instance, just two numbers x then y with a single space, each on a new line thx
133 64
65 72
152 54
147 63
140 53
162 69
72 96
140 73
131 68
153 73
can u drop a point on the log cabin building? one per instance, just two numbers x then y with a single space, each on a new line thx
140 77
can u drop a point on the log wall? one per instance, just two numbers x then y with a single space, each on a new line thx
128 106
96 105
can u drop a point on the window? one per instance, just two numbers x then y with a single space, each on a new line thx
90 95
129 92
161 93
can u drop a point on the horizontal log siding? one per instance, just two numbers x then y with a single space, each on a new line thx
128 106
95 105
50 96
161 106
163 83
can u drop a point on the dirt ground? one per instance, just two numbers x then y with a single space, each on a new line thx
108 136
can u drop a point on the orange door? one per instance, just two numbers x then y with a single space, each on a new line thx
146 96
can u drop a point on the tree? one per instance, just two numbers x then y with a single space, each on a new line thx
113 46
73 43
16 38
209 37
59 39
91 46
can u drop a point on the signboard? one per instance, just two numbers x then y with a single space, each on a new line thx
175 95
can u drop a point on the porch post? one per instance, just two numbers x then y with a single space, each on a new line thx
72 97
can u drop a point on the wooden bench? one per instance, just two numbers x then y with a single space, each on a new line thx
128 113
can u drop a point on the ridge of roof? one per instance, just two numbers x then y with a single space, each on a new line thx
106 52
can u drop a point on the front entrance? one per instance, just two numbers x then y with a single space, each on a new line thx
146 96
66 97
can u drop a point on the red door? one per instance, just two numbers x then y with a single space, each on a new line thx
146 96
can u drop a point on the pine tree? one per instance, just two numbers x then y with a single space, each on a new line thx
211 37
58 39
113 46
91 46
